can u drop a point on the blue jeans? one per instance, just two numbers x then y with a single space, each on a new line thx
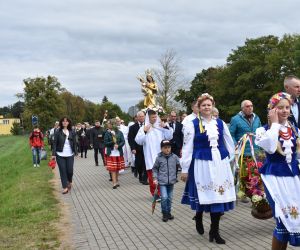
166 195
36 155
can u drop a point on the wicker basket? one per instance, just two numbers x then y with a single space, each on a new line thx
262 212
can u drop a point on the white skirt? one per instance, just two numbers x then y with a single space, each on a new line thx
285 191
214 180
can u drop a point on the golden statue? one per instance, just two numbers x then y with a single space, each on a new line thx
149 88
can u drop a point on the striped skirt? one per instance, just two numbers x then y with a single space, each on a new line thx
115 163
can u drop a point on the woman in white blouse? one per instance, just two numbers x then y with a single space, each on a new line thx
280 172
64 149
205 167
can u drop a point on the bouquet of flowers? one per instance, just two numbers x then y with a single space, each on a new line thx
251 185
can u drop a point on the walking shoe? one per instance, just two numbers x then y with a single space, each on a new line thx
170 216
158 200
34 165
38 165
165 217
115 187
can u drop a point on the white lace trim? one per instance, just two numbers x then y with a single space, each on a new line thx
212 132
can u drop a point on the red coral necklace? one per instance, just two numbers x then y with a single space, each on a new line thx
286 135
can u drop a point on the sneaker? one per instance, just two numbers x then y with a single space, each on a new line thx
38 165
34 165
158 200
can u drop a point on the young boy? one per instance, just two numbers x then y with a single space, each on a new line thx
164 174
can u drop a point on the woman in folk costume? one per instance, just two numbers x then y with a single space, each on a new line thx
126 148
205 167
114 142
280 172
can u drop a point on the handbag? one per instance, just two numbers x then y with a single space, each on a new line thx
43 154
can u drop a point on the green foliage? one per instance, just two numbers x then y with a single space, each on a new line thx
105 99
254 71
73 106
16 129
41 96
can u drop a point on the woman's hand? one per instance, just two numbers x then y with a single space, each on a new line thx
273 115
53 157
184 177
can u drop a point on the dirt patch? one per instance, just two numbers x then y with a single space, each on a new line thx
64 224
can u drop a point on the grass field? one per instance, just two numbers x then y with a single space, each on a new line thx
28 209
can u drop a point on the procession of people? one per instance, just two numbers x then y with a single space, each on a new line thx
157 146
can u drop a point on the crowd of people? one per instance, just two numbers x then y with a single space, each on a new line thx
201 146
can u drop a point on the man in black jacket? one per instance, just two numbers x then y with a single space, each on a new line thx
136 149
96 140
292 87
177 140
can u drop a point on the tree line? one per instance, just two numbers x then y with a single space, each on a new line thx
46 98
254 71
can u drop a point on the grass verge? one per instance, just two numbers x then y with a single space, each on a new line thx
28 208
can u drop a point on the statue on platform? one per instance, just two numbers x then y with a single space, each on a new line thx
149 89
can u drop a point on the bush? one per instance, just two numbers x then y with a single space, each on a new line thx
16 129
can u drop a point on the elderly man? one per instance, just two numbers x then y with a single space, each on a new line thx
244 122
292 87
137 150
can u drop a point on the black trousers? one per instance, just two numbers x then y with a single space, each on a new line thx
83 149
140 166
65 166
96 152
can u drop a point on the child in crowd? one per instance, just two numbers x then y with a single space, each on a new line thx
164 174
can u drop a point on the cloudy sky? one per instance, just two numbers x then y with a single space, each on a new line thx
97 47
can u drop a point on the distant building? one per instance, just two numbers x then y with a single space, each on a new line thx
132 111
6 124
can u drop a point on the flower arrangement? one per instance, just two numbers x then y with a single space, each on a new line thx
251 186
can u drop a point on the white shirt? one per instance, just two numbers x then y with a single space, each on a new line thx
151 142
67 150
295 111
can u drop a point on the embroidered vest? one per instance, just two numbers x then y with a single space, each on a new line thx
202 148
275 164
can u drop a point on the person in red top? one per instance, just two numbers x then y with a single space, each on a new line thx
36 141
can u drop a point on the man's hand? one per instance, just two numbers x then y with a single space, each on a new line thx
184 177
133 151
146 128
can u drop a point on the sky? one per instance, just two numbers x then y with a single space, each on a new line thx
97 48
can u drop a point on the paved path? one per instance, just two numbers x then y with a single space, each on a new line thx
103 218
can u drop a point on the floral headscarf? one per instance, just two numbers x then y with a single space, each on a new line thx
275 99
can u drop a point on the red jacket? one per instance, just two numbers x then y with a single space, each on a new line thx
36 139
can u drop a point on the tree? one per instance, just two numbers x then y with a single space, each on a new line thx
254 71
74 106
105 99
42 98
168 79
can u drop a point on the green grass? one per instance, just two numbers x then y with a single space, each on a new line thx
28 208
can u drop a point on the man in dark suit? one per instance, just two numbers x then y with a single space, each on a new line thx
177 140
292 87
96 135
136 149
